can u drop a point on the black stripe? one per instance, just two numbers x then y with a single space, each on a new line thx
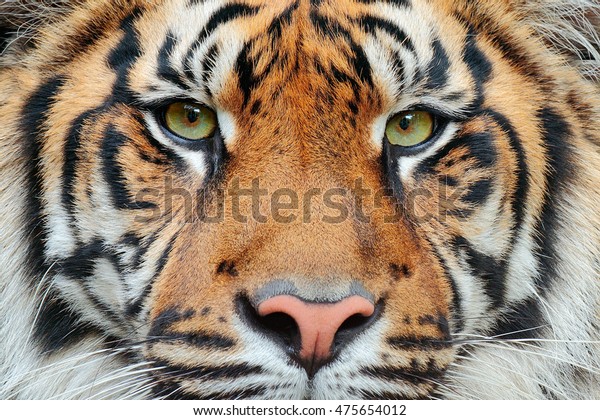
399 3
88 34
198 340
248 80
361 65
490 270
371 24
246 393
390 157
234 371
211 341
339 76
519 198
478 193
457 310
132 240
380 396
72 148
223 15
123 57
285 18
208 63
57 326
163 155
165 256
175 392
72 145
448 180
134 308
413 343
521 320
413 374
439 321
32 124
439 66
82 263
481 146
556 132
128 49
166 71
479 66
256 106
359 61
324 25
81 40
398 66
519 57
165 319
81 267
508 45
244 68
477 145
112 170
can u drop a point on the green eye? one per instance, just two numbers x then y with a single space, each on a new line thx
410 128
190 121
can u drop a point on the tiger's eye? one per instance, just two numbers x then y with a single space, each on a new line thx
410 128
190 121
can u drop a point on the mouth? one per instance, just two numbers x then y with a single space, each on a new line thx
264 370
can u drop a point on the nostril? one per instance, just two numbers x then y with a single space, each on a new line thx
279 326
355 321
354 325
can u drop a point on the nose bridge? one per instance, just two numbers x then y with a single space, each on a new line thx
302 170
305 231
302 202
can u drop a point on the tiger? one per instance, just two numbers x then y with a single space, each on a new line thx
300 199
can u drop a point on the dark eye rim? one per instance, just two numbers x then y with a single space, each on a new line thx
160 115
440 122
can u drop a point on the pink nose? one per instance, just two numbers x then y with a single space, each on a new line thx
318 323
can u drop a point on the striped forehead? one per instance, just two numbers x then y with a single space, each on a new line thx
193 48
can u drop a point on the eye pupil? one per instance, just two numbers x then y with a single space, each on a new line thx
192 114
405 122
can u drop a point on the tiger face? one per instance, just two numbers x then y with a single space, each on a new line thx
301 199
